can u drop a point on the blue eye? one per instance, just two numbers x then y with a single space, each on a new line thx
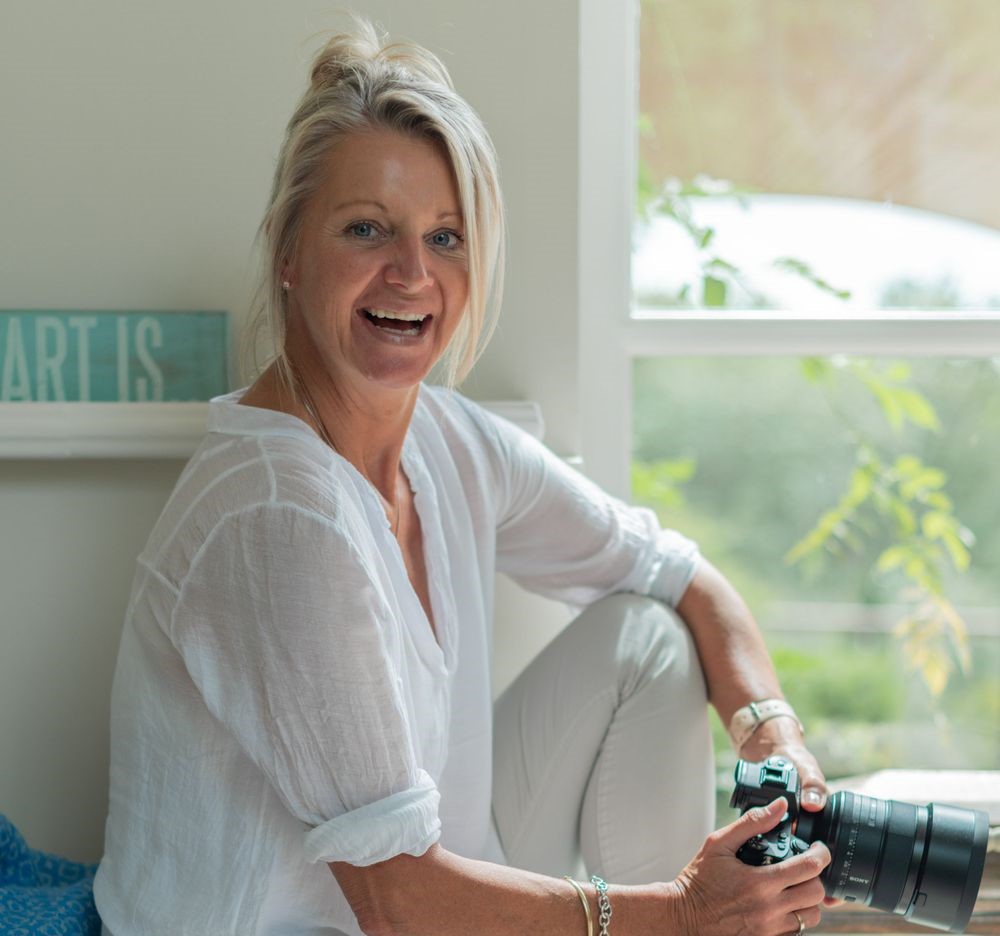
363 229
447 239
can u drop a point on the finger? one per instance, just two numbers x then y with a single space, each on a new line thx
808 894
810 917
813 782
804 867
813 796
753 822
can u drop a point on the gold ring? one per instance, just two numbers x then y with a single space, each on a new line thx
802 926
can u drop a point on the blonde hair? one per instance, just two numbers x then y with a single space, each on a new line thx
359 82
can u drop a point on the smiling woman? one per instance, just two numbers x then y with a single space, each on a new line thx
304 736
374 300
360 90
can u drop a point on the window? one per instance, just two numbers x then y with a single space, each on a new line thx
755 457
815 263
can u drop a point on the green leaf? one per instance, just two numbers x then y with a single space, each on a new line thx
887 400
893 558
860 489
939 501
906 521
657 484
936 524
927 479
678 469
918 409
718 265
960 556
801 269
713 292
816 538
816 369
882 499
935 671
917 570
906 466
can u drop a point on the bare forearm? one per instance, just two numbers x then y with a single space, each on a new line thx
733 655
443 894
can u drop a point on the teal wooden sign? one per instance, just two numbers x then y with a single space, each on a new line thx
112 356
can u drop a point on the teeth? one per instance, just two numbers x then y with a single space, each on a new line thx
399 316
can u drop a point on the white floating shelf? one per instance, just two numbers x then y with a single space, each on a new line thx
101 430
143 430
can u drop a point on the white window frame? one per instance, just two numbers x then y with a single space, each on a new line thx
612 333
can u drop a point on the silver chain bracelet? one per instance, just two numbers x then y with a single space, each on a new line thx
603 903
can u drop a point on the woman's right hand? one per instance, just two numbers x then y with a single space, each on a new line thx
719 895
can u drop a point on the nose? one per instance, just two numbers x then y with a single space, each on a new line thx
407 268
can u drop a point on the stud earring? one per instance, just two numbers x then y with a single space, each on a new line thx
286 285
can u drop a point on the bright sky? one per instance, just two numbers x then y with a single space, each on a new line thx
854 245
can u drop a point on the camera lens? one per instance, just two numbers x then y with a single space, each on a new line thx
923 862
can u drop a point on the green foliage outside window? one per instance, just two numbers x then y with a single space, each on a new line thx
890 493
825 488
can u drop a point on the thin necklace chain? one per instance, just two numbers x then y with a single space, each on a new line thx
325 436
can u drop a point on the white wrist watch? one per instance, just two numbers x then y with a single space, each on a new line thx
748 719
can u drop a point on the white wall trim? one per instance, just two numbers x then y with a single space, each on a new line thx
146 430
874 332
608 111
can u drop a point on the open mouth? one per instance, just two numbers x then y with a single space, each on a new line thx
402 324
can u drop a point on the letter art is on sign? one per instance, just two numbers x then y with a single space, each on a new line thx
69 356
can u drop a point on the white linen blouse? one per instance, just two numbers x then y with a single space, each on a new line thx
280 699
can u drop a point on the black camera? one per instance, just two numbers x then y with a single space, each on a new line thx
922 862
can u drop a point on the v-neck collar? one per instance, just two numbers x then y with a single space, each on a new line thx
436 563
228 415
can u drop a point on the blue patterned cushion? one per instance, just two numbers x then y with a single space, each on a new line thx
43 895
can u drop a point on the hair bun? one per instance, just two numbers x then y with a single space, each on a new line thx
348 54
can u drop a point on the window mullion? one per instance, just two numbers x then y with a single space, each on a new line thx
753 333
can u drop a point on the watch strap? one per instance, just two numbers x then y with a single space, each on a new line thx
747 720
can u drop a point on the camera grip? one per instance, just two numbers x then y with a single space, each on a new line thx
771 848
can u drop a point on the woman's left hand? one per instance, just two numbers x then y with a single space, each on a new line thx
782 737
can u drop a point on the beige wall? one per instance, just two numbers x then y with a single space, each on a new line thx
69 532
137 144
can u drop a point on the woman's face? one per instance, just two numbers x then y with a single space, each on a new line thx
379 280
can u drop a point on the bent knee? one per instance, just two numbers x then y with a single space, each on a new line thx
653 642
629 607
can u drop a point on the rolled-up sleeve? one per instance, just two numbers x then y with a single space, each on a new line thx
404 823
560 535
289 642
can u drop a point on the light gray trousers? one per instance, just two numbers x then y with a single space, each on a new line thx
602 749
